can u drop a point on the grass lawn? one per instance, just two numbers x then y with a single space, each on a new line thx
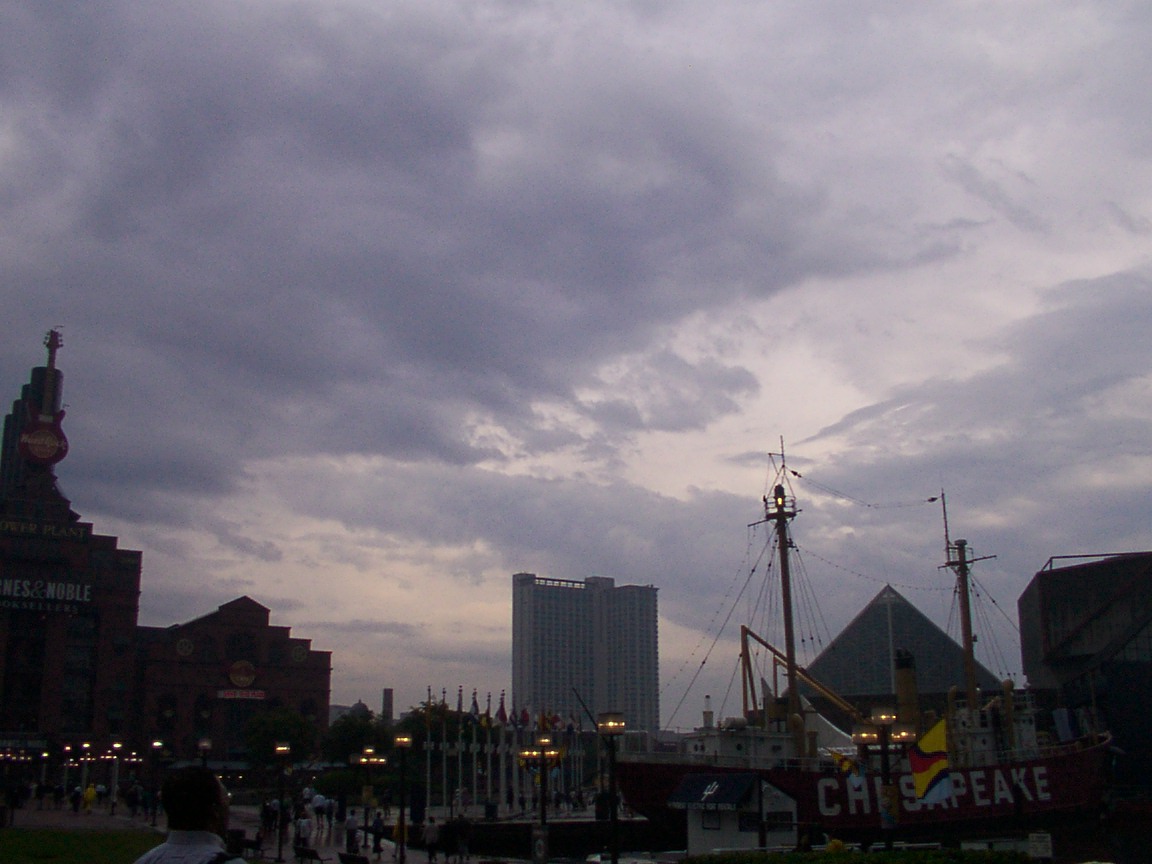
27 846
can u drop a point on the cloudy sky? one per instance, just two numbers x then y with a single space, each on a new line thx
368 305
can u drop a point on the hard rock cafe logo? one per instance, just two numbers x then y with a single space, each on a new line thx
43 445
242 673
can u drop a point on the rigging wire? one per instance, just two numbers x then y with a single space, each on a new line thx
993 654
844 496
763 603
994 650
996 605
719 632
763 610
877 579
819 633
731 684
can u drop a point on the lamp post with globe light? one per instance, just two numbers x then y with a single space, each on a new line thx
402 743
883 730
368 758
283 752
157 749
610 726
543 753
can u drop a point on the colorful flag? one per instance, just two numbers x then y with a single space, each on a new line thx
525 718
850 767
474 711
501 714
929 759
486 720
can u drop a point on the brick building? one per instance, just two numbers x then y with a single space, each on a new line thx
206 678
75 668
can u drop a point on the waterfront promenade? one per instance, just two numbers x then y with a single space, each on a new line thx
244 817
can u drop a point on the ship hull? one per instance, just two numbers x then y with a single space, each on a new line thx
1053 788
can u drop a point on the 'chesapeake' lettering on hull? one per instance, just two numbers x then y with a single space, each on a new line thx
41 589
990 787
51 530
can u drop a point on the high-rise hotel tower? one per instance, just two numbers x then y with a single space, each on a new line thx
590 638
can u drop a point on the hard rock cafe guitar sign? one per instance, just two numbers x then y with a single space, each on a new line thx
42 440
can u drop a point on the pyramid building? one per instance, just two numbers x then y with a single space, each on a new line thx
861 661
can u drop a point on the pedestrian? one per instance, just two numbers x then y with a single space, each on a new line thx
431 838
303 825
463 833
377 833
399 834
197 808
351 841
319 809
89 799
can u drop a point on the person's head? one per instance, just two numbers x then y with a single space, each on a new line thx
195 800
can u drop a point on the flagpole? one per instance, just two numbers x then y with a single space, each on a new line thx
473 750
517 771
488 750
444 750
459 743
428 745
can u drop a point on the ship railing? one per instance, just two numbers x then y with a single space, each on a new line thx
706 760
1034 751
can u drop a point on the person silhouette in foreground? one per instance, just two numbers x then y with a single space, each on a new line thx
197 807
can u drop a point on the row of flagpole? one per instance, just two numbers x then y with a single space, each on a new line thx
514 780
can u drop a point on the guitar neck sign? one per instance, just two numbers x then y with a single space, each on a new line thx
42 439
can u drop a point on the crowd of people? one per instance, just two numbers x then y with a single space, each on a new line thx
315 820
83 798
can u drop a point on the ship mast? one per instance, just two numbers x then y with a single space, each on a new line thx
957 555
968 641
779 511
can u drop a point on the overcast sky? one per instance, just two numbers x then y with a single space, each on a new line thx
369 305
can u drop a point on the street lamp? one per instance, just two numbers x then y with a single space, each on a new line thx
610 725
84 760
884 719
543 753
114 791
204 745
283 751
157 747
369 758
403 743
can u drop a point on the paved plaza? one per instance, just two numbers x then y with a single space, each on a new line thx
328 843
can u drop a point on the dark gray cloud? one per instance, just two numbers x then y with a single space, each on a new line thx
435 291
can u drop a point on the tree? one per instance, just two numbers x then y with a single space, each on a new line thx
350 734
266 729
